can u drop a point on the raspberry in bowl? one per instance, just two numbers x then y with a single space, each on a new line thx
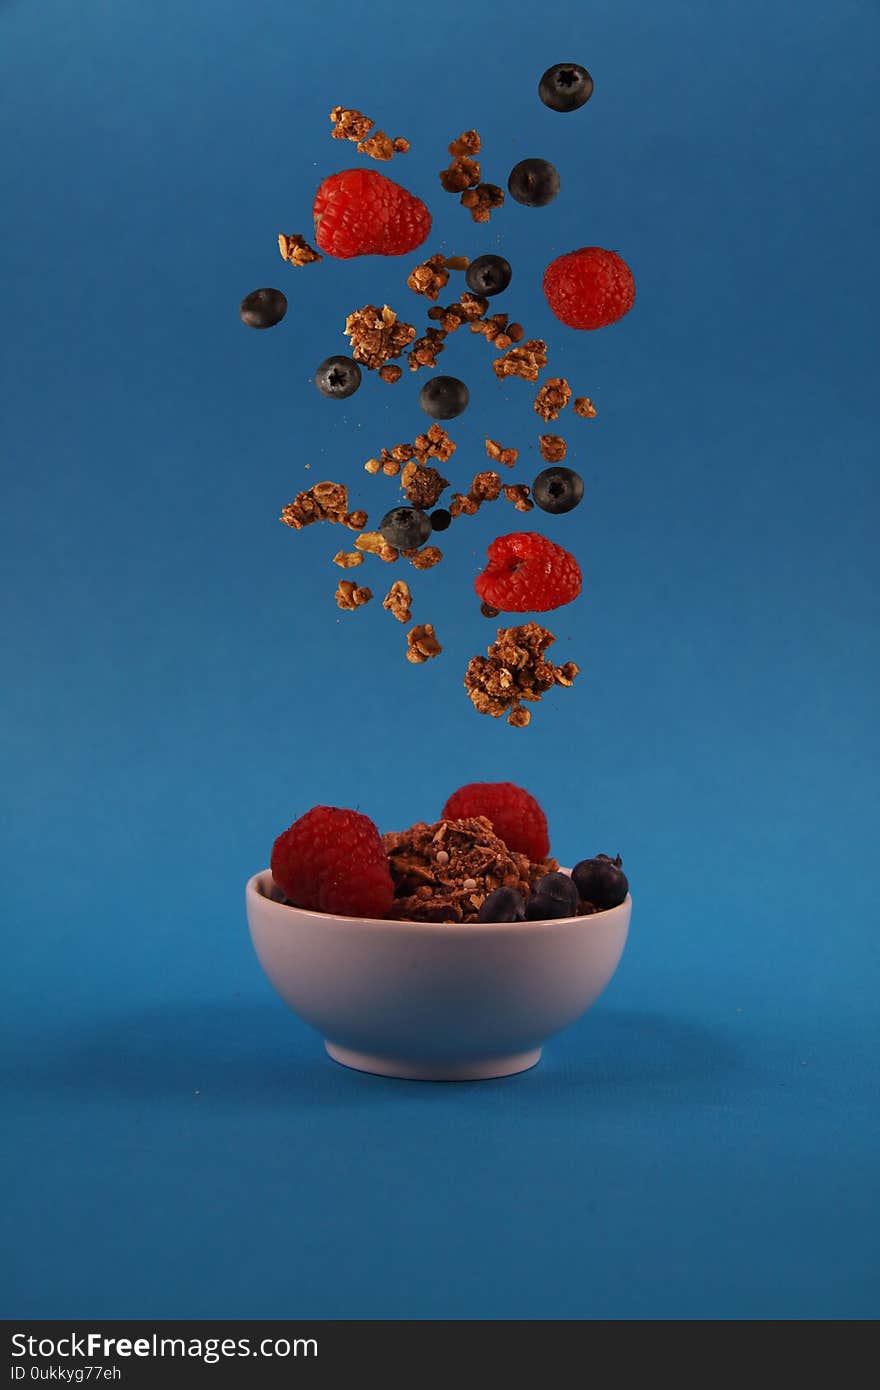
440 952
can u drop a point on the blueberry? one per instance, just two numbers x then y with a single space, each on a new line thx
558 888
565 87
441 520
541 909
338 377
557 489
488 275
263 308
406 528
444 397
533 182
601 881
504 905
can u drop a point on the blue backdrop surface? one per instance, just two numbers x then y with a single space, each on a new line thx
179 685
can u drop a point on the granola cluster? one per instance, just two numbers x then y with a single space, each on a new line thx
518 495
398 601
553 448
486 487
422 644
584 407
469 309
433 444
430 277
422 485
445 871
425 350
482 200
323 502
525 360
295 249
350 595
498 454
374 543
515 669
377 335
552 398
499 331
348 559
464 174
349 124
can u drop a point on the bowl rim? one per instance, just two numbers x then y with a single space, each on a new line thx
254 889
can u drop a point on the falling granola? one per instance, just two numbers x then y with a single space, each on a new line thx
323 502
526 360
377 335
295 249
583 406
498 454
515 669
553 448
350 595
552 398
422 644
398 601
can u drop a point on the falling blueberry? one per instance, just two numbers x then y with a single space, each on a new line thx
441 519
406 528
263 308
533 182
565 87
557 489
488 275
504 905
338 377
601 881
444 397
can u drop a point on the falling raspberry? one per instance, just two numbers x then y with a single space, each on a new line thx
589 288
527 573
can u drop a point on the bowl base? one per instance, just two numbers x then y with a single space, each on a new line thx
408 1069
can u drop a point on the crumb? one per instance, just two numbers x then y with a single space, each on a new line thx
422 485
463 173
372 465
515 332
457 262
349 124
425 350
584 407
295 249
468 143
444 872
402 452
323 502
434 444
377 335
518 495
398 601
390 373
422 644
525 360
553 448
481 201
347 559
474 306
350 595
494 330
424 559
430 277
553 397
401 145
515 669
489 611
391 468
498 454
355 521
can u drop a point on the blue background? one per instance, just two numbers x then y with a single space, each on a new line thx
179 684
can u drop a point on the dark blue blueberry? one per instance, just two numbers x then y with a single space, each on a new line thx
338 377
601 881
441 519
541 909
557 489
504 905
406 528
533 182
444 397
559 888
263 308
565 87
488 275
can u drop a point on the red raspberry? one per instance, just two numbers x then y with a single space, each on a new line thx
589 288
334 861
516 817
360 212
527 573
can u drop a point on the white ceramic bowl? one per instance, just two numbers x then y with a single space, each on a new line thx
433 1001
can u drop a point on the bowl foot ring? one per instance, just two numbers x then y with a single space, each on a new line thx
414 1069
